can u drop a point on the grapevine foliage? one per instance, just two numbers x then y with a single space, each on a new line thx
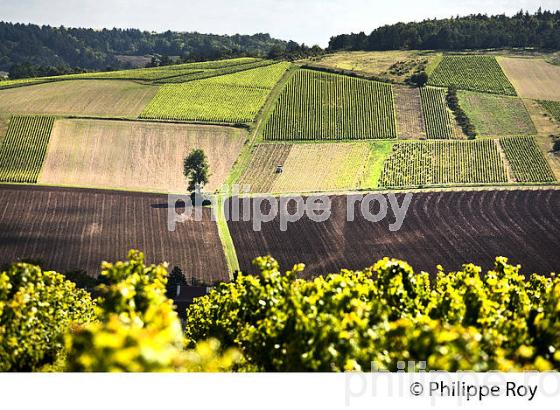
36 308
137 328
384 314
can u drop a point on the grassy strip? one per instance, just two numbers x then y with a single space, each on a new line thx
225 237
432 65
373 167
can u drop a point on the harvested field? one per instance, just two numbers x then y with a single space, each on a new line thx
447 228
70 229
533 78
4 121
313 167
496 115
322 167
410 119
83 97
136 155
260 174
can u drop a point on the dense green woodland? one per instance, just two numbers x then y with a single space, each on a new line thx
477 31
96 49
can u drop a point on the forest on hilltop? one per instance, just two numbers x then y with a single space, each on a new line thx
476 31
98 49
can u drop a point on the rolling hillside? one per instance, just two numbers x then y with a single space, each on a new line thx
361 127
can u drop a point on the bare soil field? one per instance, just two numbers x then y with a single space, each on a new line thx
410 119
135 155
533 78
74 229
78 97
4 121
447 228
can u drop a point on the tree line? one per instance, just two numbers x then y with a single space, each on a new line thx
476 31
62 47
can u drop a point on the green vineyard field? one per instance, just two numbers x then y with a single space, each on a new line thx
497 114
475 73
23 150
553 107
424 163
439 120
232 98
177 73
526 160
210 73
265 77
321 106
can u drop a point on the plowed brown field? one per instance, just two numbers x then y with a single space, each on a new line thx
70 229
447 228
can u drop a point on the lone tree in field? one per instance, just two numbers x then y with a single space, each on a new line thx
195 169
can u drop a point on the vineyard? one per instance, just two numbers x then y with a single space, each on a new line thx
439 120
553 107
233 98
20 82
475 73
169 72
496 114
265 77
23 150
410 164
320 106
79 97
207 73
443 163
526 160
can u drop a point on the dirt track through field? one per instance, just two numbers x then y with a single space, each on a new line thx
447 228
410 118
74 229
